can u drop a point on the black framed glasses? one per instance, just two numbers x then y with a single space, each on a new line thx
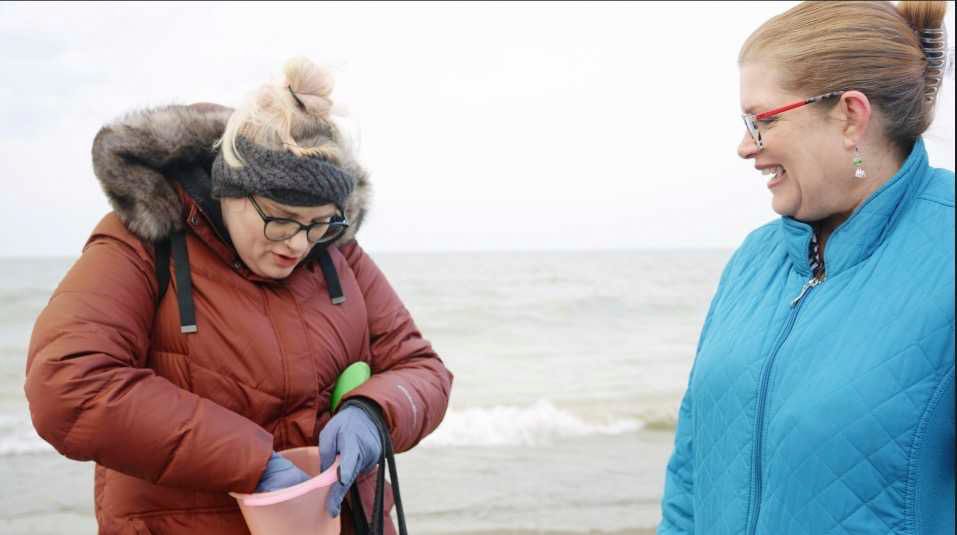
282 229
751 120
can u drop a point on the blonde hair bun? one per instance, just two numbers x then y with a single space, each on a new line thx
291 114
310 84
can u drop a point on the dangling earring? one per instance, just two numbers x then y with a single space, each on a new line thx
858 164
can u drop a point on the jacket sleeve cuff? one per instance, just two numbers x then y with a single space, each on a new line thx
257 467
371 407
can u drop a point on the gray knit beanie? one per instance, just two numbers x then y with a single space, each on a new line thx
281 176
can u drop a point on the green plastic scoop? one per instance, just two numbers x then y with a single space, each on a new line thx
354 375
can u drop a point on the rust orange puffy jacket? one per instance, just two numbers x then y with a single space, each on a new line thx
175 421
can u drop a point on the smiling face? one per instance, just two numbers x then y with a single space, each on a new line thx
264 257
805 154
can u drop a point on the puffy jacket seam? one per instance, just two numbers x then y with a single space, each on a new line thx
175 355
314 402
284 399
84 405
225 274
69 431
157 351
170 458
321 287
150 261
912 495
224 375
943 202
197 511
112 298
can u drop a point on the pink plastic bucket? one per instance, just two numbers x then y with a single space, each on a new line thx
296 510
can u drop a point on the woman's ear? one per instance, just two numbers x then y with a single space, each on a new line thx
855 110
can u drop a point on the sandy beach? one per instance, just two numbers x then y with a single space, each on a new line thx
52 495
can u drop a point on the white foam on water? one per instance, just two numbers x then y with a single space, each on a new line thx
537 424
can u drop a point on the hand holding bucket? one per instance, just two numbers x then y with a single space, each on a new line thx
294 510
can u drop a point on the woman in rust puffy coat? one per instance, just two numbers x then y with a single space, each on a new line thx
182 396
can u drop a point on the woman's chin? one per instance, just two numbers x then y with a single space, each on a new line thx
781 211
269 270
782 204
279 272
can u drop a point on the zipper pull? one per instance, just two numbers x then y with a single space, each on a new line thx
811 283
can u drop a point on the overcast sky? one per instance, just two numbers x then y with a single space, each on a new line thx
484 126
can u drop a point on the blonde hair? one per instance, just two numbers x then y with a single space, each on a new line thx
291 114
872 47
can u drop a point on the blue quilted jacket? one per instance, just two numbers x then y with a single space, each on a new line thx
829 408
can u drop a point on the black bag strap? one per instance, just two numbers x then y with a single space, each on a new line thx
161 266
332 278
176 243
184 283
386 460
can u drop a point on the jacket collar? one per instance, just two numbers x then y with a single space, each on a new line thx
856 238
204 217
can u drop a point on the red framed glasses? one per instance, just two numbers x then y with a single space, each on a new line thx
751 119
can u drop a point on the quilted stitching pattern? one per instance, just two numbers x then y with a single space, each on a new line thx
849 383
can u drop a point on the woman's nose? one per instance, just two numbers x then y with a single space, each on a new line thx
747 148
299 242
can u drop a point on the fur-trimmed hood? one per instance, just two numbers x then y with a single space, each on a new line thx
137 158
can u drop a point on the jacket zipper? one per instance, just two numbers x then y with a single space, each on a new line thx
756 482
814 281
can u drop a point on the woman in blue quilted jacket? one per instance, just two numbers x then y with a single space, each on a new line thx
821 400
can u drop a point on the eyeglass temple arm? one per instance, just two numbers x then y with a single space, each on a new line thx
782 109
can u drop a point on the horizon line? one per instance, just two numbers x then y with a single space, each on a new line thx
461 251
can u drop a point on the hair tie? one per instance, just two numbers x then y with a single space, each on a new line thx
293 93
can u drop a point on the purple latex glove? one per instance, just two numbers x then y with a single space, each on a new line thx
280 473
352 435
